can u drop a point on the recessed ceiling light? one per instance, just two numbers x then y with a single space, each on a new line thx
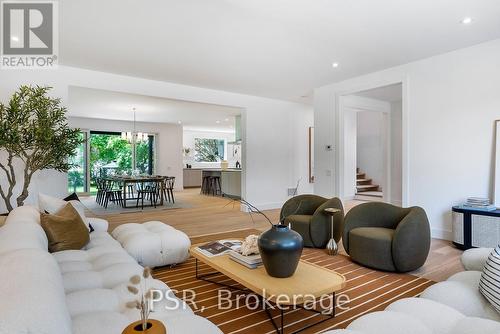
227 120
335 65
466 20
179 122
217 122
15 39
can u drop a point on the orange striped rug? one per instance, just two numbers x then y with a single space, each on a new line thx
367 290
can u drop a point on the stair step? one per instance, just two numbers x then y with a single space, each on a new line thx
360 175
363 181
367 187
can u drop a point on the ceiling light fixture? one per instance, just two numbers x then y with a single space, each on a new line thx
179 122
466 20
227 120
134 136
217 122
15 39
335 65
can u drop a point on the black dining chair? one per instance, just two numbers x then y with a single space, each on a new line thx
111 193
148 191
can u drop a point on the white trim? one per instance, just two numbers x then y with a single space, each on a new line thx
339 127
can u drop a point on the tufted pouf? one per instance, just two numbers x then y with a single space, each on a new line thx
153 244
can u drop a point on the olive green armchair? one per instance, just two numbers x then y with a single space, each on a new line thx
386 237
305 214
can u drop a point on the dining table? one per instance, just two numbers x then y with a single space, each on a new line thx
125 181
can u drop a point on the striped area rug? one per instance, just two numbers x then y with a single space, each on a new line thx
367 290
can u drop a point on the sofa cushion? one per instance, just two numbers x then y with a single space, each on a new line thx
22 236
463 298
65 229
489 284
32 300
388 322
470 325
372 247
52 204
438 317
92 300
99 322
474 258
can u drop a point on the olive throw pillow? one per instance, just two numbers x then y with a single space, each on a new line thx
489 284
65 229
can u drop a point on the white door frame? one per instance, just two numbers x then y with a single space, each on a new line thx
340 154
360 104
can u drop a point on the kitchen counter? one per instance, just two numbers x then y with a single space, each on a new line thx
230 180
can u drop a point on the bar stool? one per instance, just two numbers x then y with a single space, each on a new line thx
205 185
215 187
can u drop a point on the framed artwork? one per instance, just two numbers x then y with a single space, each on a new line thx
311 154
497 164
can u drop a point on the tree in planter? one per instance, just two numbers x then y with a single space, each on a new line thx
33 130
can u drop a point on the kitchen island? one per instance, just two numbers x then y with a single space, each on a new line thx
230 180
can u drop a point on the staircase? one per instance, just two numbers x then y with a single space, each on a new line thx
365 186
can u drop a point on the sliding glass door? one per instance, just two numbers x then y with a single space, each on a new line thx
77 175
105 154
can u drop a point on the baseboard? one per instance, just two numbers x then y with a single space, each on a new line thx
441 234
264 206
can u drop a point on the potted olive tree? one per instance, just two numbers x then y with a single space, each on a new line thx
34 135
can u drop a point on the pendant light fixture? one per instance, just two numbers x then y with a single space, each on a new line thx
134 136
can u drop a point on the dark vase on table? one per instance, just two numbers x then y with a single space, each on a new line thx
280 249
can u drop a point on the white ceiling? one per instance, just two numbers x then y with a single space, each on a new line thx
391 93
275 48
102 104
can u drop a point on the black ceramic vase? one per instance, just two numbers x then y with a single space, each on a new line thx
280 249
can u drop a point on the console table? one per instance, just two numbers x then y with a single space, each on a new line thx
475 228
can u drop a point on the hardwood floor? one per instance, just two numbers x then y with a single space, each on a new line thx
211 215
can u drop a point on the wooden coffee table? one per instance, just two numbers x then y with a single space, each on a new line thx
309 281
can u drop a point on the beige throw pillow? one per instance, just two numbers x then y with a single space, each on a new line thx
65 229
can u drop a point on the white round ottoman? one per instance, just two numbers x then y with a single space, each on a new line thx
153 244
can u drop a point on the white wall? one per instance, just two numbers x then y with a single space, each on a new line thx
169 141
450 102
371 145
188 141
268 169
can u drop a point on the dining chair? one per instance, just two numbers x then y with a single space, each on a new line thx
170 182
147 190
111 193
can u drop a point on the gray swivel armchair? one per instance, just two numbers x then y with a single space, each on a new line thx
305 214
387 237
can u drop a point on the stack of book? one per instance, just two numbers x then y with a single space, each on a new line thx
250 261
478 203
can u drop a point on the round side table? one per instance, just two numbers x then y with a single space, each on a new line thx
331 247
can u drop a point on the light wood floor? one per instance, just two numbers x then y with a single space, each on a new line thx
211 215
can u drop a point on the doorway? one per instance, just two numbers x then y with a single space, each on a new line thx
371 145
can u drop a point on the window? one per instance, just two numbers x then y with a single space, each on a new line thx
209 150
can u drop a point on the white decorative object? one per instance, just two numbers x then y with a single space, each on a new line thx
497 164
153 244
249 246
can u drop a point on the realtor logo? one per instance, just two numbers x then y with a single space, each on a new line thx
29 34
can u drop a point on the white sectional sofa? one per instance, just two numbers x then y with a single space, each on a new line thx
81 291
454 306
